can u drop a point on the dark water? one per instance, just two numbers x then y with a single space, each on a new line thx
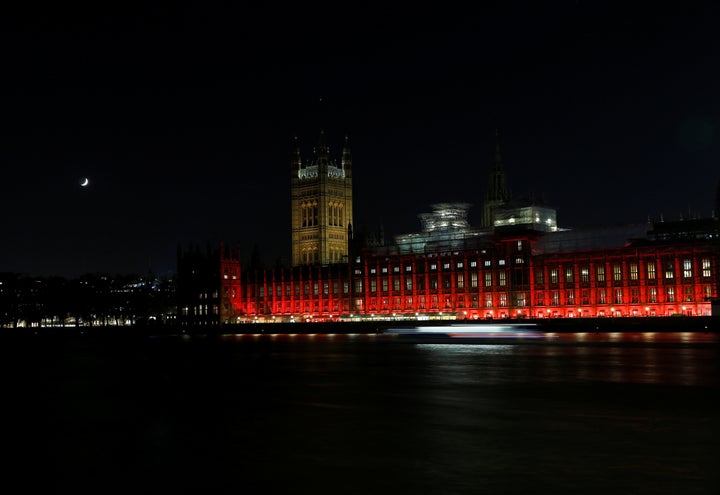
362 414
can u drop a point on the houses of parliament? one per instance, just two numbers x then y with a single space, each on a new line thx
518 264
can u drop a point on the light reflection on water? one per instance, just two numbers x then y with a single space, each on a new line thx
580 413
626 360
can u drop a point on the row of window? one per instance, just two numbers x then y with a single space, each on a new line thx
569 272
633 271
309 214
419 283
445 266
520 299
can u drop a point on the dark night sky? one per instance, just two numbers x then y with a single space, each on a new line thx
181 116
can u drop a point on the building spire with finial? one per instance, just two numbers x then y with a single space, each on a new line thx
497 189
346 160
497 192
295 159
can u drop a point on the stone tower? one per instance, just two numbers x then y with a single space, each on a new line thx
321 205
497 192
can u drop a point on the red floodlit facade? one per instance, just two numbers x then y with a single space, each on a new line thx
501 279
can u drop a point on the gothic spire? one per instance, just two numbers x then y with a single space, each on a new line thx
322 152
346 160
295 160
497 189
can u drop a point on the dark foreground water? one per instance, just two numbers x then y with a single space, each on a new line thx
361 414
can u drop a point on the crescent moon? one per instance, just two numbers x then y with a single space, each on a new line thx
84 182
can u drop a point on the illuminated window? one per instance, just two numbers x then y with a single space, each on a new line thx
346 287
384 269
433 282
316 288
488 263
652 294
634 271
488 279
501 279
585 274
503 299
618 296
408 268
460 281
601 296
651 271
446 266
473 264
358 286
670 294
326 288
384 285
617 272
372 271
688 293
460 264
396 284
601 274
539 277
501 262
555 298
571 297
433 266
554 276
335 287
488 301
706 267
519 245
687 268
669 273
396 269
307 289
519 261
473 280
373 285
568 275
707 291
408 283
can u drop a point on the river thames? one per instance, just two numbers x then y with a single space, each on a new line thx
576 413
